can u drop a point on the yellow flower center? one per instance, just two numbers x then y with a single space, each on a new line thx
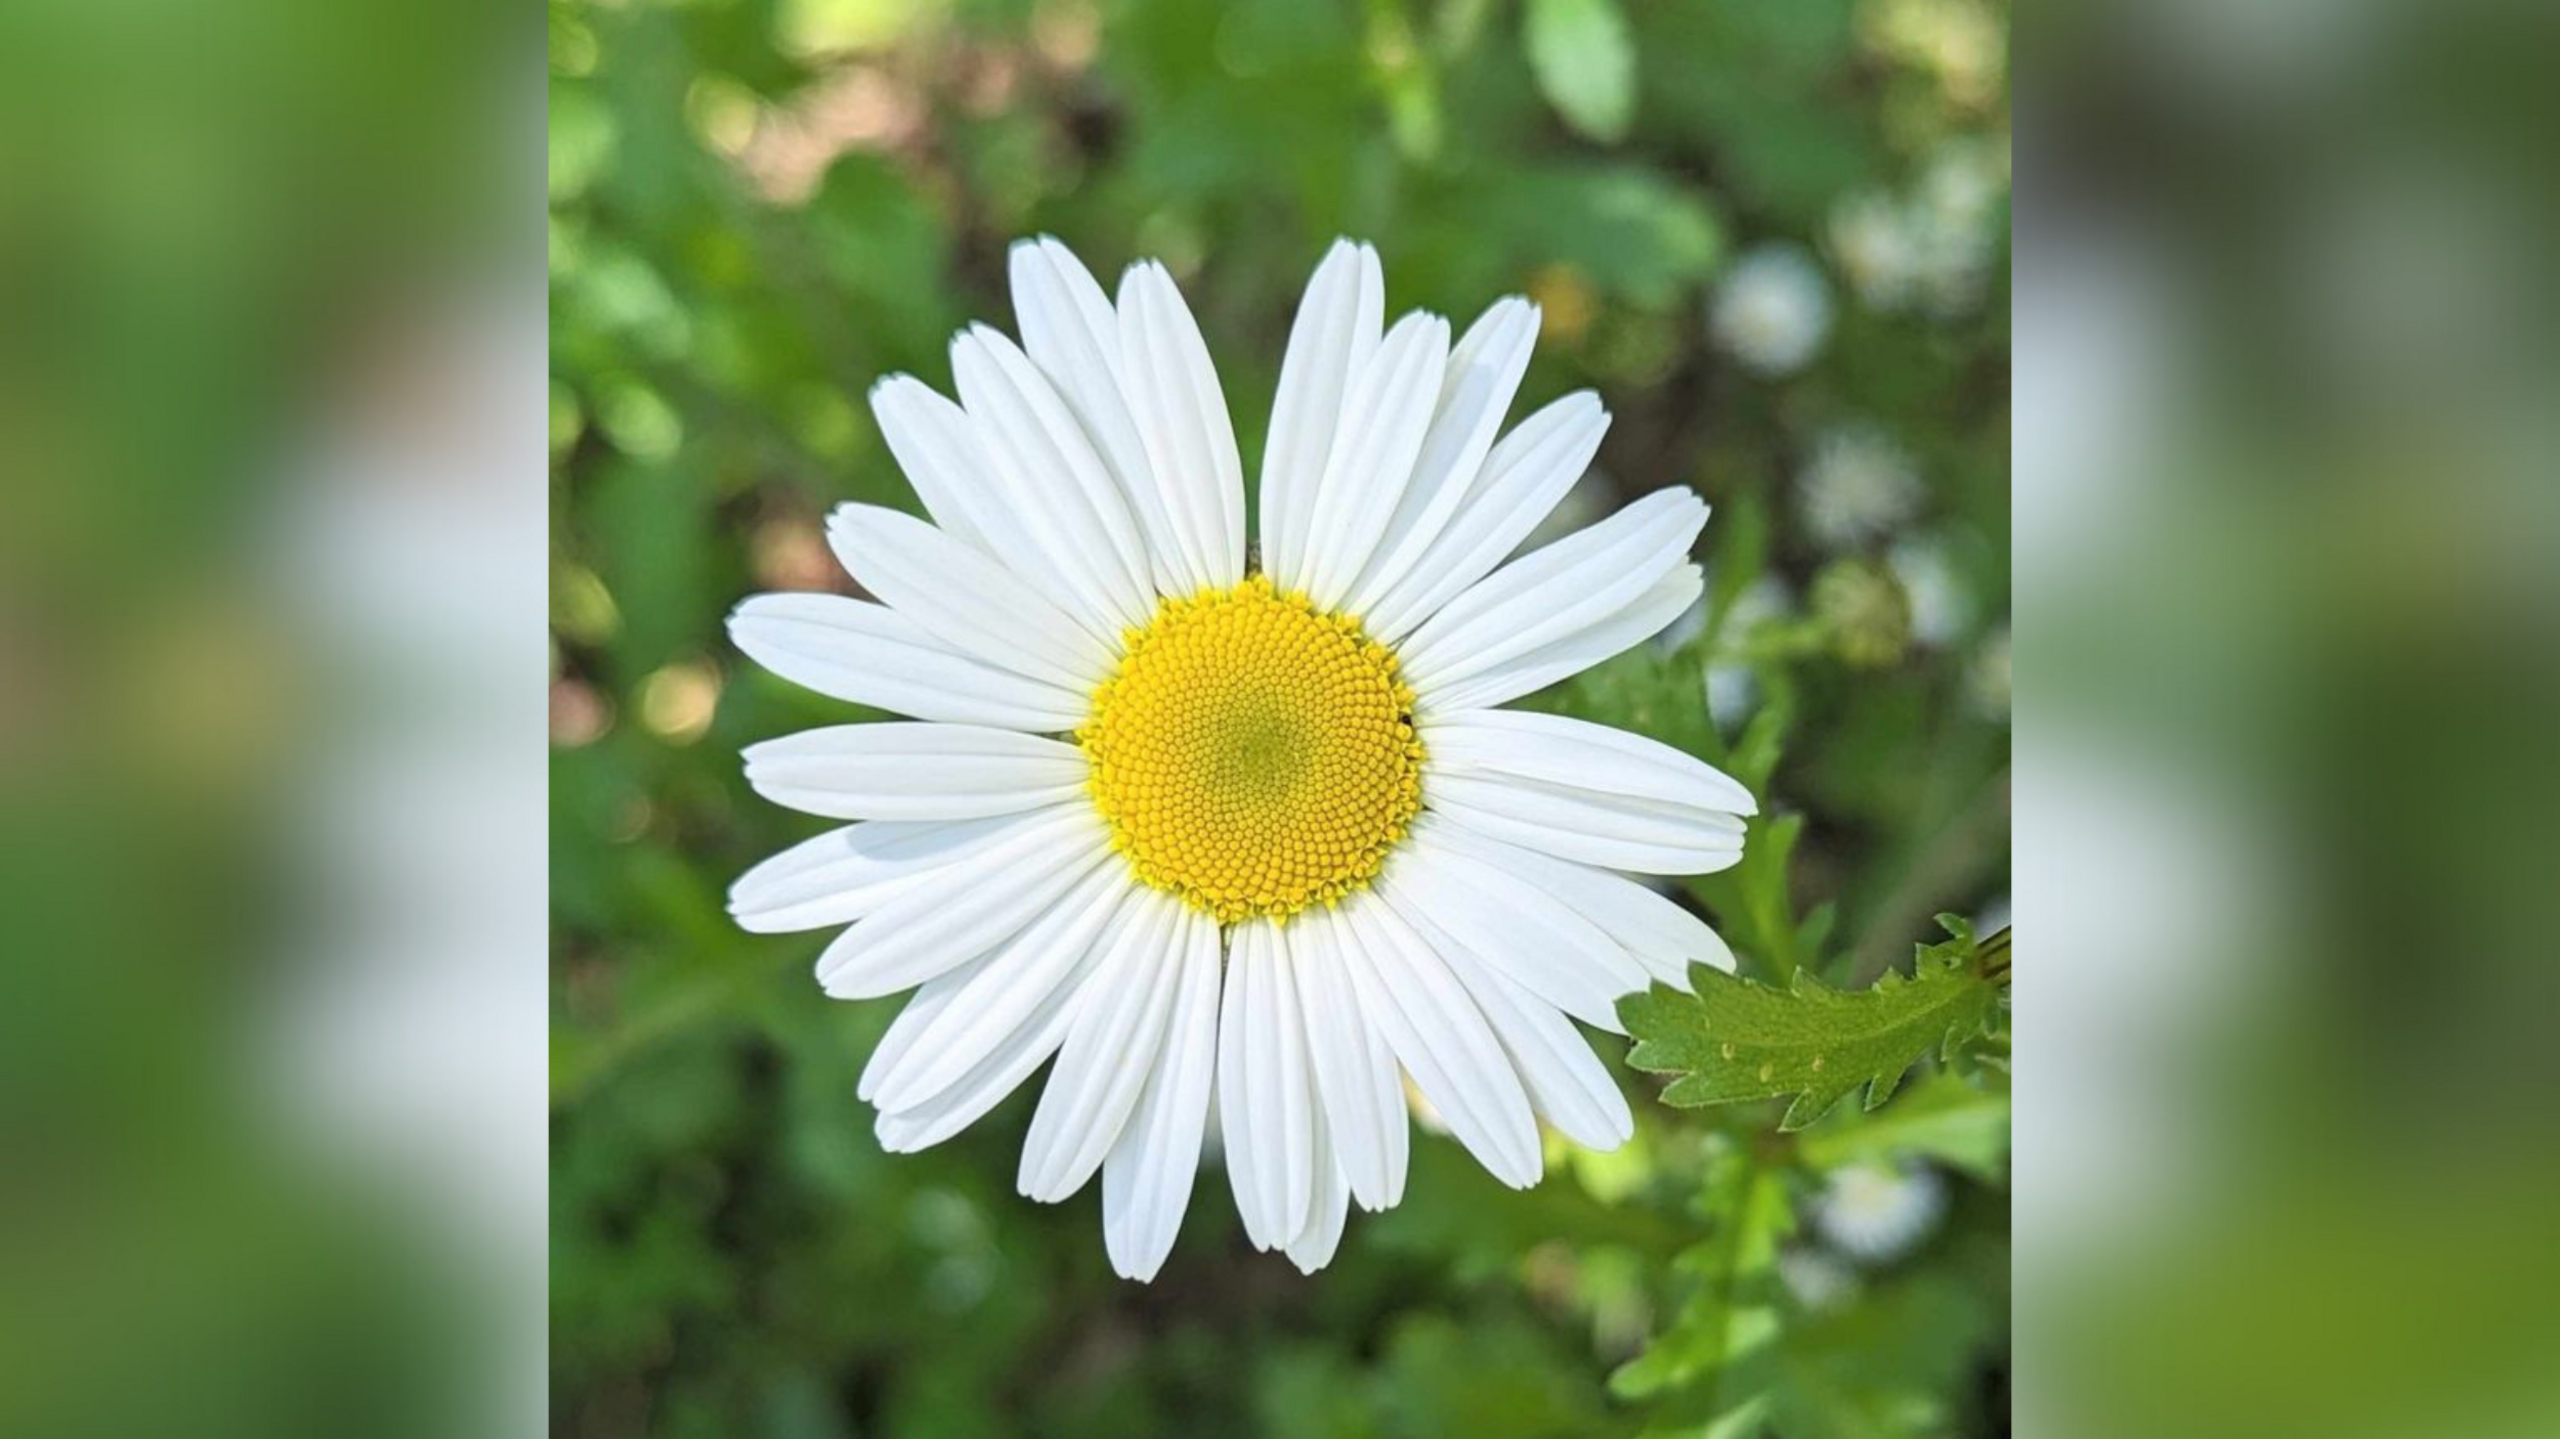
1252 754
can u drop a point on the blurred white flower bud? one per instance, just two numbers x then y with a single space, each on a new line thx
1857 486
1879 1212
1773 311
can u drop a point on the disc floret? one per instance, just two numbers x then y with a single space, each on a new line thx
1253 753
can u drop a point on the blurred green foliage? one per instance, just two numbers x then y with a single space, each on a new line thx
759 207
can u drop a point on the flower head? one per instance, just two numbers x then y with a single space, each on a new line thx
1878 248
1773 311
1856 487
1931 249
1879 1212
1178 816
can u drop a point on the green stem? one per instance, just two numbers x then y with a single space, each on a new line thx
1993 953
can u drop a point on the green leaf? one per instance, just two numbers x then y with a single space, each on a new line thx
1736 1039
1946 1118
1731 1310
1585 63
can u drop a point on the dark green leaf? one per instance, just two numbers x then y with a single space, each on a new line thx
1736 1039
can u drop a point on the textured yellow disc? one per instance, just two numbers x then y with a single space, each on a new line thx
1252 754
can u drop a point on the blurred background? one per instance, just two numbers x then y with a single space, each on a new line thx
271 830
2288 505
1772 234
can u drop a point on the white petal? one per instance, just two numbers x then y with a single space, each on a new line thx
1328 1199
844 874
1579 754
1521 481
1330 340
987 1083
901 770
938 448
1265 1096
1146 1183
1355 1071
1085 539
1670 597
872 655
1568 586
1662 936
1067 321
964 598
1072 333
932 1001
1612 831
966 484
1484 373
1566 1081
1021 976
1554 953
1181 413
1441 1038
965 909
1384 418
1109 1052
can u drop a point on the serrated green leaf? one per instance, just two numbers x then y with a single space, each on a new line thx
1735 1039
1585 63
1947 1119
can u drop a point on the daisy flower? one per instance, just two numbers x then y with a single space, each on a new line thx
1878 1212
1878 248
1931 249
1856 487
1193 817
1773 311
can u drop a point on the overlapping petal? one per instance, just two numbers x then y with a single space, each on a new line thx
1336 331
1441 1038
1520 483
1147 1181
1266 1099
870 654
903 770
1483 374
1385 416
1081 534
1110 1046
1355 1071
965 598
1181 413
844 874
